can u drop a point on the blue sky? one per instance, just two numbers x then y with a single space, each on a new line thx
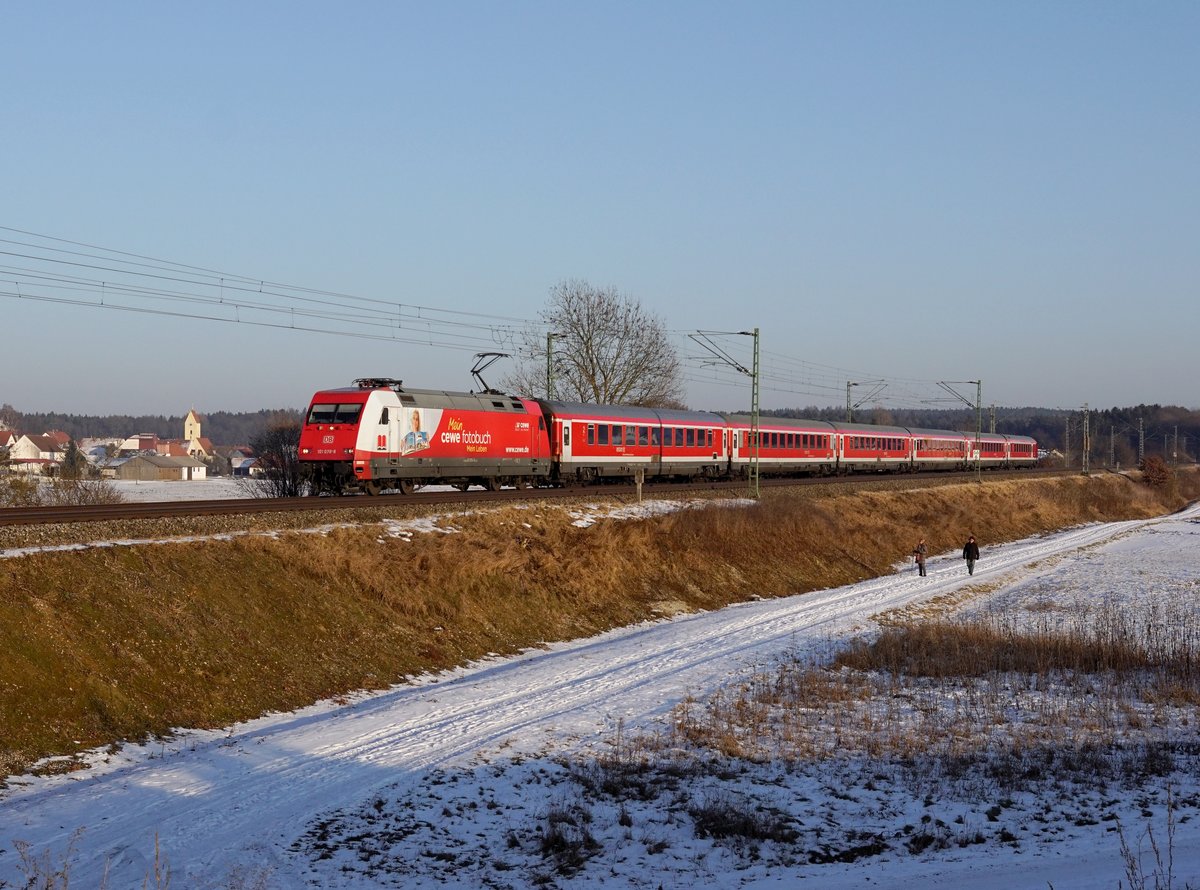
907 192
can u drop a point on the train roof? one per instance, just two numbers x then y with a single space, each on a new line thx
631 412
795 422
869 429
431 398
921 431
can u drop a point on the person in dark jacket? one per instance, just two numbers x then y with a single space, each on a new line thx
970 554
919 556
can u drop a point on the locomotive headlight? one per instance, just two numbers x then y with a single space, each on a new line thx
304 451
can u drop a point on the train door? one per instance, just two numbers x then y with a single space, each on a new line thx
377 429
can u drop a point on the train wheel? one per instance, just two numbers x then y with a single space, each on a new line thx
491 483
372 487
461 486
405 486
520 483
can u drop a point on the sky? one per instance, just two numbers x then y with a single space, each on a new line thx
447 780
910 193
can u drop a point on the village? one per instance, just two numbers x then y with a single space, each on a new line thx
140 457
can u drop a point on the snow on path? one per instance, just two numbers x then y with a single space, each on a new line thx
243 796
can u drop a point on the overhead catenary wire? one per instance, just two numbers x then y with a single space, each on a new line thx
48 269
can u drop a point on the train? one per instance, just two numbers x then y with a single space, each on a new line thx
378 435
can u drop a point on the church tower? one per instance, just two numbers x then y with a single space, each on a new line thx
191 426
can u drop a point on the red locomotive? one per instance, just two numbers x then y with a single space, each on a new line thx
380 435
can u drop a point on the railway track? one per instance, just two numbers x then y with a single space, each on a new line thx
16 516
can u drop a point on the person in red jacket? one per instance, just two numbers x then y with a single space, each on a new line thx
919 556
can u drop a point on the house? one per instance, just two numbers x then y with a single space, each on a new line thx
245 466
172 448
152 467
98 450
35 454
191 470
138 444
200 448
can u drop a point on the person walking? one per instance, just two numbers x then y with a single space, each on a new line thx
919 556
970 554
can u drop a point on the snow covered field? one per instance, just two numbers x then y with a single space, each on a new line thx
462 779
216 488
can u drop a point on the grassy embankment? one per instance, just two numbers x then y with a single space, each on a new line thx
102 645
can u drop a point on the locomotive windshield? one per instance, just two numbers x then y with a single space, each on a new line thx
346 412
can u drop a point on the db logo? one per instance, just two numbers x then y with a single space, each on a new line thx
327 440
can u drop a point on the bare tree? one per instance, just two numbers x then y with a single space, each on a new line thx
278 450
605 349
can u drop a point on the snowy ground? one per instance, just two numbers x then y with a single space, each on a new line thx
470 778
215 488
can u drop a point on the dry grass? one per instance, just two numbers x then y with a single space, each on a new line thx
1108 693
102 645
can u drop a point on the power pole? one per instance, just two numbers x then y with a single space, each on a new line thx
1175 452
1112 445
978 430
978 406
703 338
1087 439
992 415
754 425
878 387
1141 441
1067 447
550 335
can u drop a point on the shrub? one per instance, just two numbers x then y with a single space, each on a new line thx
1155 472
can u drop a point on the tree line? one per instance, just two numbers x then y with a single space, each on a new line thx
219 427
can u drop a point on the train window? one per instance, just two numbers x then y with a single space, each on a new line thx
567 435
678 437
710 439
383 416
630 435
655 436
643 435
591 440
603 432
616 434
691 437
347 413
322 413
